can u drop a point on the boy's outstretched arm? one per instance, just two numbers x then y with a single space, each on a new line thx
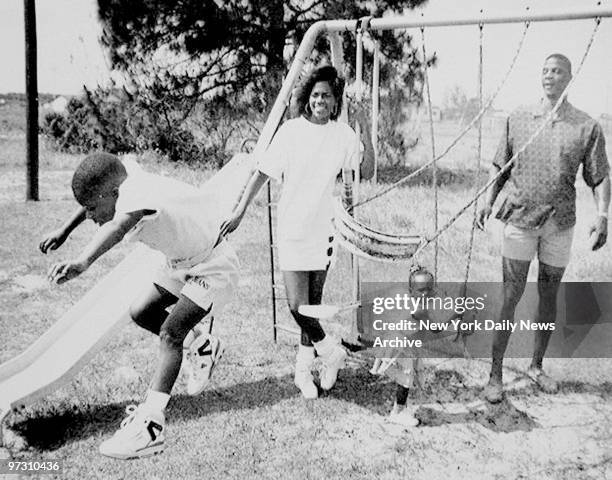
109 235
55 239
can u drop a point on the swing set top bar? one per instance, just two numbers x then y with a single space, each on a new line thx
417 21
409 21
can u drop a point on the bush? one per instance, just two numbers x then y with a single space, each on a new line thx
72 131
182 129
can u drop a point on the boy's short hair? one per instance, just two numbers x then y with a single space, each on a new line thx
563 59
419 271
94 174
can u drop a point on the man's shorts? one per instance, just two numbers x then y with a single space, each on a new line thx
211 281
551 244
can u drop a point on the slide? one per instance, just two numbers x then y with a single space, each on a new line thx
80 333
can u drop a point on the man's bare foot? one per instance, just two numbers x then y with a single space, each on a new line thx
546 383
494 391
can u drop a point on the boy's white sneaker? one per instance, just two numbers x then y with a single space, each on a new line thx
141 434
203 355
332 360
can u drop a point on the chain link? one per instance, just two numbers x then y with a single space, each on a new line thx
434 176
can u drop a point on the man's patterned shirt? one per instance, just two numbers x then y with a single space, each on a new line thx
542 179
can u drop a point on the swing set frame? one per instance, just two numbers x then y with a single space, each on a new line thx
333 28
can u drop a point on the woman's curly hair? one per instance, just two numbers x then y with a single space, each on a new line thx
327 74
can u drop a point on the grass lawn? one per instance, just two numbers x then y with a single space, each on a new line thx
252 422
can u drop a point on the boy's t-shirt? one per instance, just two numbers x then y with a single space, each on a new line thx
185 222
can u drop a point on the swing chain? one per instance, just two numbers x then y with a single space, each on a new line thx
461 134
468 261
363 24
434 178
506 168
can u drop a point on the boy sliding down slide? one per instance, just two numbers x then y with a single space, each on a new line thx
201 271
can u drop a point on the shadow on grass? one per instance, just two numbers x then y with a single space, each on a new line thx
56 428
355 385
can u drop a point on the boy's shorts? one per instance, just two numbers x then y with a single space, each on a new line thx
551 244
210 282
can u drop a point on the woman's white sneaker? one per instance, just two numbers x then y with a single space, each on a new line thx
303 372
305 382
332 361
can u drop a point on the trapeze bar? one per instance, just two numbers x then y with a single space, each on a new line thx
417 21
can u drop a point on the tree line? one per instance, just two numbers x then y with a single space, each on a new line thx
190 76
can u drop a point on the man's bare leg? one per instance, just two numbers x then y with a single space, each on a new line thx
549 280
515 278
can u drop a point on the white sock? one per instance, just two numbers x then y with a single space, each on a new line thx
156 401
305 357
192 334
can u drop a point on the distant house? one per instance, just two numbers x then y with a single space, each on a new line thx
58 105
2 101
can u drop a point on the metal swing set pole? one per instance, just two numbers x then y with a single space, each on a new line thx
362 24
375 106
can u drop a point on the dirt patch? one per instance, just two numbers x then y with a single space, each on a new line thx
502 417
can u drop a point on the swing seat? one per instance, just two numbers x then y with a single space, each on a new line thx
366 242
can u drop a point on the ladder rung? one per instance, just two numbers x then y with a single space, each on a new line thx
280 298
288 329
278 285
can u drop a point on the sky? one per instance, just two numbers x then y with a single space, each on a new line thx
70 55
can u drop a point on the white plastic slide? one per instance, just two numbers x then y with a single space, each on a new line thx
80 333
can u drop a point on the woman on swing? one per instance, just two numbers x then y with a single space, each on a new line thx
306 154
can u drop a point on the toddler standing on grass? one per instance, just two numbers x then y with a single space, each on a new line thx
405 367
201 270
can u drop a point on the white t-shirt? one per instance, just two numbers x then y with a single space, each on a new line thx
307 158
185 225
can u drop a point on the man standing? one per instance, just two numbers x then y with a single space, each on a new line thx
540 209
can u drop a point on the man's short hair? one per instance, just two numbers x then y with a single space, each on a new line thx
563 59
94 174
